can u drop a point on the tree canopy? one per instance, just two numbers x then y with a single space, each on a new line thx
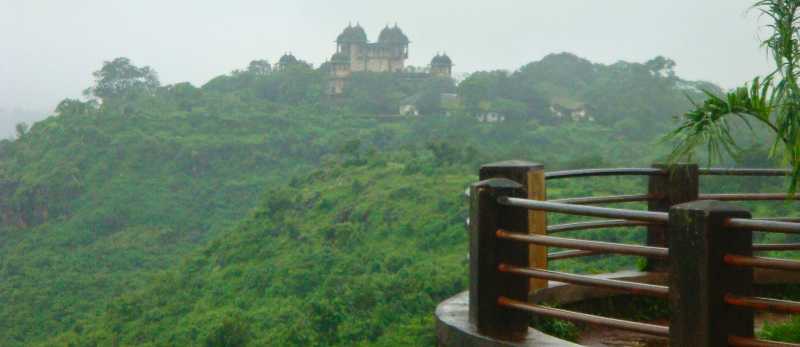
259 67
119 78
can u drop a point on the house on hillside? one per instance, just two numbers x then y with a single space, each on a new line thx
491 117
573 113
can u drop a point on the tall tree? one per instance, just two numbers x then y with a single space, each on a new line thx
259 67
119 78
772 100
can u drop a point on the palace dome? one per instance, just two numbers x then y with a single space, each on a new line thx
441 60
352 34
393 35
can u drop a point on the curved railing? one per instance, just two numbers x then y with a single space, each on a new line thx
503 273
735 260
654 196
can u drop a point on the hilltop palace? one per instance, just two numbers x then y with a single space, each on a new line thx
354 53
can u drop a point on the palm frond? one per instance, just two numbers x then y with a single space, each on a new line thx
774 100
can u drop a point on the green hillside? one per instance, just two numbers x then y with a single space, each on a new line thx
126 221
318 262
350 254
93 198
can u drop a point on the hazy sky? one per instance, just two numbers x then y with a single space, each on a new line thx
48 48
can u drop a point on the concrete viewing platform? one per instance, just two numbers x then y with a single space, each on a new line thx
454 329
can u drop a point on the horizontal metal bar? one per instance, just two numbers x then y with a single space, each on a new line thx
604 172
614 223
781 219
586 245
763 225
718 171
749 197
630 287
571 254
761 247
652 329
765 304
761 262
656 172
738 341
606 199
592 211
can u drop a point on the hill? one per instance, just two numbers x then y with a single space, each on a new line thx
351 254
356 253
119 217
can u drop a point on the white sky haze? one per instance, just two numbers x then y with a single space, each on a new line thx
49 48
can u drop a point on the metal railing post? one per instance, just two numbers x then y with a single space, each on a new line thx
487 251
680 184
531 177
699 278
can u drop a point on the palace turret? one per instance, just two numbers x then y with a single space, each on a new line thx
441 66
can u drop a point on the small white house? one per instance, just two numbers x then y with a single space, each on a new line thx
409 110
491 117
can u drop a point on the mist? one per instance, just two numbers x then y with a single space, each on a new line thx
292 173
50 48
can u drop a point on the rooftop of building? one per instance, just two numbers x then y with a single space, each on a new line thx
389 36
352 34
287 58
441 60
393 35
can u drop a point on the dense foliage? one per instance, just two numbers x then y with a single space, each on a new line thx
564 86
125 220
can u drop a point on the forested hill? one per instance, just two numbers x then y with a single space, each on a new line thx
125 218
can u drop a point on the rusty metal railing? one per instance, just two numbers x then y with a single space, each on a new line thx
630 287
718 171
572 254
602 224
586 245
658 173
505 241
652 329
590 246
763 247
749 197
747 261
764 225
607 199
587 211
738 341
605 172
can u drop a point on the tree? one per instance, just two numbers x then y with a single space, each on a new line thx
662 66
374 92
22 129
772 100
259 67
430 95
119 78
74 106
482 86
510 109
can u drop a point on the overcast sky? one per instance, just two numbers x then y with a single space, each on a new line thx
49 48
